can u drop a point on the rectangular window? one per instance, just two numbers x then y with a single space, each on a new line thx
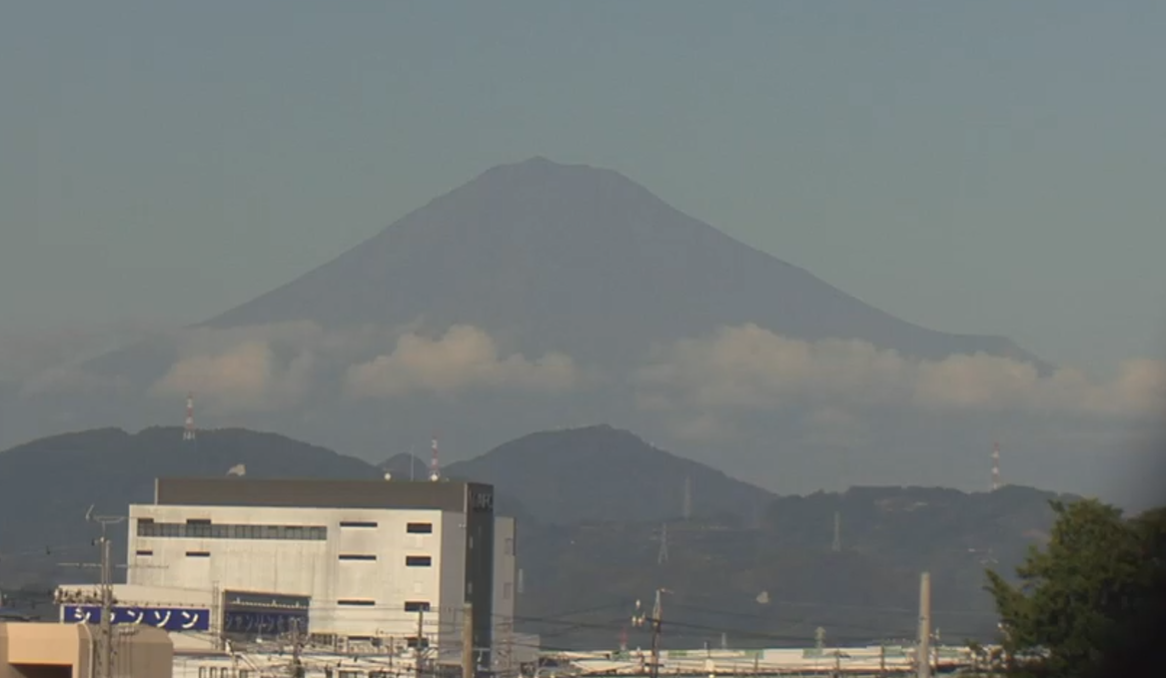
357 523
142 552
418 561
356 603
510 546
203 529
198 521
419 528
146 520
357 556
198 554
416 606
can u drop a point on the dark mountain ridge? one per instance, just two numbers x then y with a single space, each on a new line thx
605 473
591 505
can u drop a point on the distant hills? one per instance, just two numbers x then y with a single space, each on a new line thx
600 473
565 282
594 505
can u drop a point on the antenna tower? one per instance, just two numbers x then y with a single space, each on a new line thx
995 466
688 498
434 464
837 546
188 430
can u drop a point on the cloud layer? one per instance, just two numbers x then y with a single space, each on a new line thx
463 358
268 367
747 368
246 376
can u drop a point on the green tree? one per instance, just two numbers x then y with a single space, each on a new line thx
1083 603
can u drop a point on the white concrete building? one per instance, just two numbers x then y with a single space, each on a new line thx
364 559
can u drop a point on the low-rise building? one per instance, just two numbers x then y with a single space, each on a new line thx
71 651
376 564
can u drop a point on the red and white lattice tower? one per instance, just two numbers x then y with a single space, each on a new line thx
995 466
434 464
188 431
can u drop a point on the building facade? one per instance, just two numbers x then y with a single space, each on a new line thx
354 561
62 651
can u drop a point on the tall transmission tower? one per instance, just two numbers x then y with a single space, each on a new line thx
995 466
688 498
434 463
837 545
662 556
188 432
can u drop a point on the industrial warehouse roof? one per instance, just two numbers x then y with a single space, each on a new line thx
381 494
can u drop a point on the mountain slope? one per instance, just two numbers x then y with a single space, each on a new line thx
592 537
864 592
604 473
540 257
51 482
556 255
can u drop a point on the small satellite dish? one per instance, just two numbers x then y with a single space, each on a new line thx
763 598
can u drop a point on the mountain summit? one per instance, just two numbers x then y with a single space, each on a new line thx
539 296
585 260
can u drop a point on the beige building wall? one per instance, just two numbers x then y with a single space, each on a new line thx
32 650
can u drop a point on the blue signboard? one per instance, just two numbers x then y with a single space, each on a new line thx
264 621
169 618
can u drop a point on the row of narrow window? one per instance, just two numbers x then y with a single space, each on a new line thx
207 530
411 528
204 529
410 561
410 605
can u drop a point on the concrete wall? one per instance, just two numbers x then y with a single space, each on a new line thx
446 622
505 572
307 567
139 652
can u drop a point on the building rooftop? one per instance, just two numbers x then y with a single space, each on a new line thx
299 493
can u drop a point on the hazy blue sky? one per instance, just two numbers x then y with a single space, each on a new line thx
993 167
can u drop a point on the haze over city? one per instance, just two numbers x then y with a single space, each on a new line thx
981 170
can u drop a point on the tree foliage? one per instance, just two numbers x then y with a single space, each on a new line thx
1087 602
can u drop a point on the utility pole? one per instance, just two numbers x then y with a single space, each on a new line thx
105 634
923 660
420 638
468 641
657 620
837 545
297 648
104 653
